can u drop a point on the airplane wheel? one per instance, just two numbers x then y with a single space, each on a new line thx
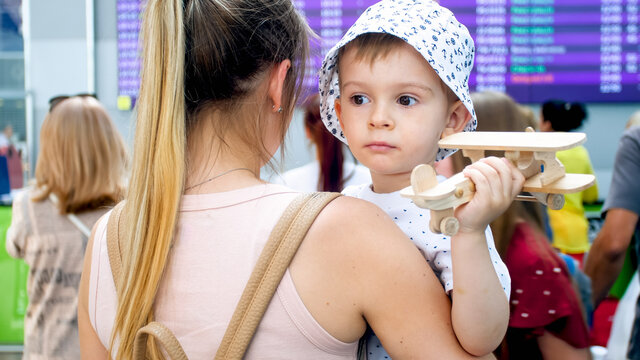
555 201
449 226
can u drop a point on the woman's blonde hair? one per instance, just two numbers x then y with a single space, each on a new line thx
82 158
199 57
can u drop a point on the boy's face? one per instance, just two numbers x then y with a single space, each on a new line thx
392 112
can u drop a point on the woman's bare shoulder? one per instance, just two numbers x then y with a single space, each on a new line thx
351 229
351 219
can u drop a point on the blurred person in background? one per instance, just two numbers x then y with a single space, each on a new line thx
80 175
334 168
547 320
620 229
569 225
6 136
634 120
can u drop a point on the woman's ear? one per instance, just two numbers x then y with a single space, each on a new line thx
276 83
457 119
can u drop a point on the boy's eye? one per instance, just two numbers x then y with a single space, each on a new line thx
406 100
359 99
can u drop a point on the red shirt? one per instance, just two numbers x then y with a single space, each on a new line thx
542 296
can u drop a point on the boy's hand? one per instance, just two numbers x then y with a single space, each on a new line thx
497 183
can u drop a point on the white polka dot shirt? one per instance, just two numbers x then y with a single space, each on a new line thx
436 248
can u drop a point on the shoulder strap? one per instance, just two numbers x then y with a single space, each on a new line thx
113 245
73 218
275 258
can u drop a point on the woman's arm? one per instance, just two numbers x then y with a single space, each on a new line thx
357 267
90 345
554 348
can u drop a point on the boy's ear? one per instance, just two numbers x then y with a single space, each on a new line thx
457 119
338 107
276 82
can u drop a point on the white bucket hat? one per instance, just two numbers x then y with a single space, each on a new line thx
431 29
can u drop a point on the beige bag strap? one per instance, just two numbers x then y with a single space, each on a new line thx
263 282
163 335
113 245
73 218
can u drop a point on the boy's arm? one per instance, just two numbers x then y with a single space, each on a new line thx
480 309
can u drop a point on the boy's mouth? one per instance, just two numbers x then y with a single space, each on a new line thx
380 146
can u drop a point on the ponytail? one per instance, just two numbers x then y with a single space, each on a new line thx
158 171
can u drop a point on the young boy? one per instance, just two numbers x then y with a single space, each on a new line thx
392 87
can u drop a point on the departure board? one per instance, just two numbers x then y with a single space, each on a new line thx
577 50
534 50
129 20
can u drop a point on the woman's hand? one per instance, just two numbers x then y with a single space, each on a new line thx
497 183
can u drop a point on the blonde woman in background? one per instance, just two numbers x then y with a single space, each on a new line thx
80 174
219 84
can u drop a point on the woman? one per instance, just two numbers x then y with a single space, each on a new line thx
80 174
198 214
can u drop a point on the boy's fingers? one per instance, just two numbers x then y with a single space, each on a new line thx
518 180
498 175
504 170
480 174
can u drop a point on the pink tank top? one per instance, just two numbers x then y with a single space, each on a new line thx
219 239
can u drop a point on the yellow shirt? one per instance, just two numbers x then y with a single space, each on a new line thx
569 224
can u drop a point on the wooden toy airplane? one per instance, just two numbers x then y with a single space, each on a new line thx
534 154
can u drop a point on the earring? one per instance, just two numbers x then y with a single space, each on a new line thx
279 109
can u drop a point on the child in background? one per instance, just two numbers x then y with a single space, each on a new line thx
392 87
569 224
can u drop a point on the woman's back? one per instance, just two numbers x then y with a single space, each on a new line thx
220 237
53 248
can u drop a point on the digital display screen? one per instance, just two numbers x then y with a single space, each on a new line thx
534 50
129 14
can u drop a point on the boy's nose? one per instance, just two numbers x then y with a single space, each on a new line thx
380 119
